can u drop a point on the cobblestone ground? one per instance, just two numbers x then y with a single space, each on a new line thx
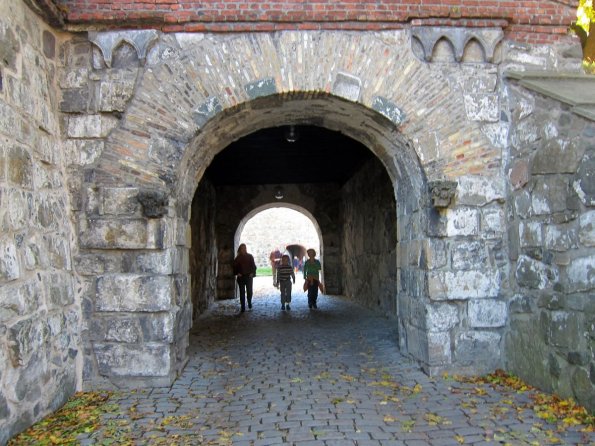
332 376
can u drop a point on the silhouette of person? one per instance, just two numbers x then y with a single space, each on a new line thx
244 269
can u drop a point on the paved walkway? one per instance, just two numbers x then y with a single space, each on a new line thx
332 376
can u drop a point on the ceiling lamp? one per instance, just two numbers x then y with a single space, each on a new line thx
279 193
291 135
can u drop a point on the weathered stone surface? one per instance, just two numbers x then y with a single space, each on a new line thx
122 330
560 237
158 327
83 152
442 193
583 389
20 298
530 234
19 167
562 328
482 107
119 200
584 182
519 173
534 274
469 255
154 203
580 274
549 195
9 263
24 338
480 348
124 233
441 317
160 262
492 223
557 156
449 285
439 350
433 254
115 92
586 232
486 313
462 221
145 360
90 126
132 292
520 304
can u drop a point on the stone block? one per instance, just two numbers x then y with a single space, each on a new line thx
82 152
433 253
462 221
580 274
158 262
19 299
584 181
74 78
75 100
133 292
461 285
158 327
439 351
133 360
475 190
441 317
560 237
549 194
480 348
586 232
521 304
89 264
534 274
24 338
486 313
126 330
19 167
85 126
564 329
59 290
469 255
10 268
530 234
115 93
492 223
119 200
123 233
482 107
519 173
583 388
557 157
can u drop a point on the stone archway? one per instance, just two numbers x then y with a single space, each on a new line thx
194 99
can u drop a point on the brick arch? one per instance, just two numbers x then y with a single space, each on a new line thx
194 83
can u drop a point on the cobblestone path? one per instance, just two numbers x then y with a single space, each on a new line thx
332 376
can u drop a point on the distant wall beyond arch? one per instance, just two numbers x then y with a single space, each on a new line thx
277 226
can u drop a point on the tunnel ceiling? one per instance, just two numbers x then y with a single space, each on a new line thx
318 155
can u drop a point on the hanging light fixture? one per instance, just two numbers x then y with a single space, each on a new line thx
291 135
279 193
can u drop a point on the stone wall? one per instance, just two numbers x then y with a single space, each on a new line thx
551 221
203 253
39 312
370 239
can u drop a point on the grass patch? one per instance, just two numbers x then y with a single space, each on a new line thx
264 271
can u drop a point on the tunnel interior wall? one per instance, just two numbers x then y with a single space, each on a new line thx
370 239
203 252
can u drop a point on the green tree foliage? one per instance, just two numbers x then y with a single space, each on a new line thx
585 29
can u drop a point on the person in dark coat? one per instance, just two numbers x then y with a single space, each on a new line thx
244 269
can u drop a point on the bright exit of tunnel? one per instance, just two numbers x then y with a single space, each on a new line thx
325 175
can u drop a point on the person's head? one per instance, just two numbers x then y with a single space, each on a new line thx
311 253
242 249
285 260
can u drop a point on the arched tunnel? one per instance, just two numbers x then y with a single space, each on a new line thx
335 179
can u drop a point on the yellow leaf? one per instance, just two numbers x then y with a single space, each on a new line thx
460 439
389 419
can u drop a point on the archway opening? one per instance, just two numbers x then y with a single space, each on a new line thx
331 180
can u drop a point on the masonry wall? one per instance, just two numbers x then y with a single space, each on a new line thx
203 252
370 239
551 220
39 313
530 21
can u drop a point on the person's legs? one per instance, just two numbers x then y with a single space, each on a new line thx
288 294
242 286
249 291
312 293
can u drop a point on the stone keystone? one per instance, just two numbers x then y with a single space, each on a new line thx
107 42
